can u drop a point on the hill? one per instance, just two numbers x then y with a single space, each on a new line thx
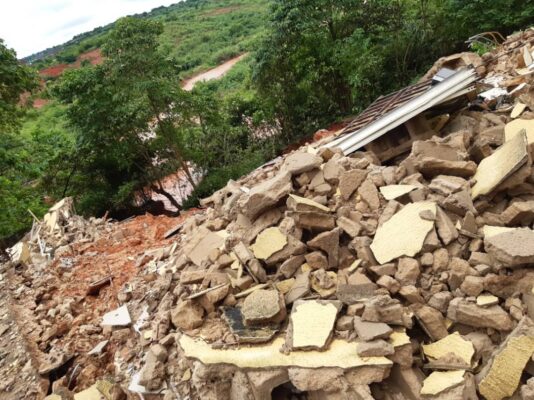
199 34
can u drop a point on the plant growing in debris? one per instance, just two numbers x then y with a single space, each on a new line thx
129 115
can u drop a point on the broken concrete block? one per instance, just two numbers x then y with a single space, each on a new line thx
329 243
403 234
500 378
487 300
207 242
472 285
312 324
513 128
246 334
367 331
292 248
431 167
117 317
391 192
494 169
300 288
314 221
265 195
302 204
462 350
375 348
263 382
270 241
187 315
432 322
340 354
263 307
481 317
350 181
300 162
512 247
519 213
439 381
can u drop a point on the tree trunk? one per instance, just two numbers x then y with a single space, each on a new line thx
163 192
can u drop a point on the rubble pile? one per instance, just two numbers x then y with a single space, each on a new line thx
332 276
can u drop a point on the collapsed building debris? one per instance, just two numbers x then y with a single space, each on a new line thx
329 273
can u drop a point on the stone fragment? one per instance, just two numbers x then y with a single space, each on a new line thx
300 289
369 194
340 354
472 285
512 247
375 348
403 234
263 307
350 181
315 221
367 331
300 162
519 213
270 241
446 184
462 349
350 227
302 204
407 271
329 243
311 324
445 228
432 322
431 167
500 165
187 315
500 378
480 317
152 375
324 282
357 287
265 195
209 241
316 260
391 192
439 381
290 266
391 284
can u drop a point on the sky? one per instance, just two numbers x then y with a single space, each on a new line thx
29 26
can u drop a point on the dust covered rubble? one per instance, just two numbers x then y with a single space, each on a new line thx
326 276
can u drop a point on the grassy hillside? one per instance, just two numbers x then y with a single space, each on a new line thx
199 34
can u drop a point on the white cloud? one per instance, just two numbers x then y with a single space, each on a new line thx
30 26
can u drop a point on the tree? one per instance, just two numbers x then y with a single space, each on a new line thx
15 79
15 194
129 114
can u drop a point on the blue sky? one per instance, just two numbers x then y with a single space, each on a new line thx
29 26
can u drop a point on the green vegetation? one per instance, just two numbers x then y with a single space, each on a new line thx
311 62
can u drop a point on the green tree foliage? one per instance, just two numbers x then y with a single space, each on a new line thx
16 193
127 114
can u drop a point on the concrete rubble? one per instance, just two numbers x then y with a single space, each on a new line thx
317 276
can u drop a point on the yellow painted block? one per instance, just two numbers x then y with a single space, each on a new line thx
453 343
438 382
505 372
270 241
